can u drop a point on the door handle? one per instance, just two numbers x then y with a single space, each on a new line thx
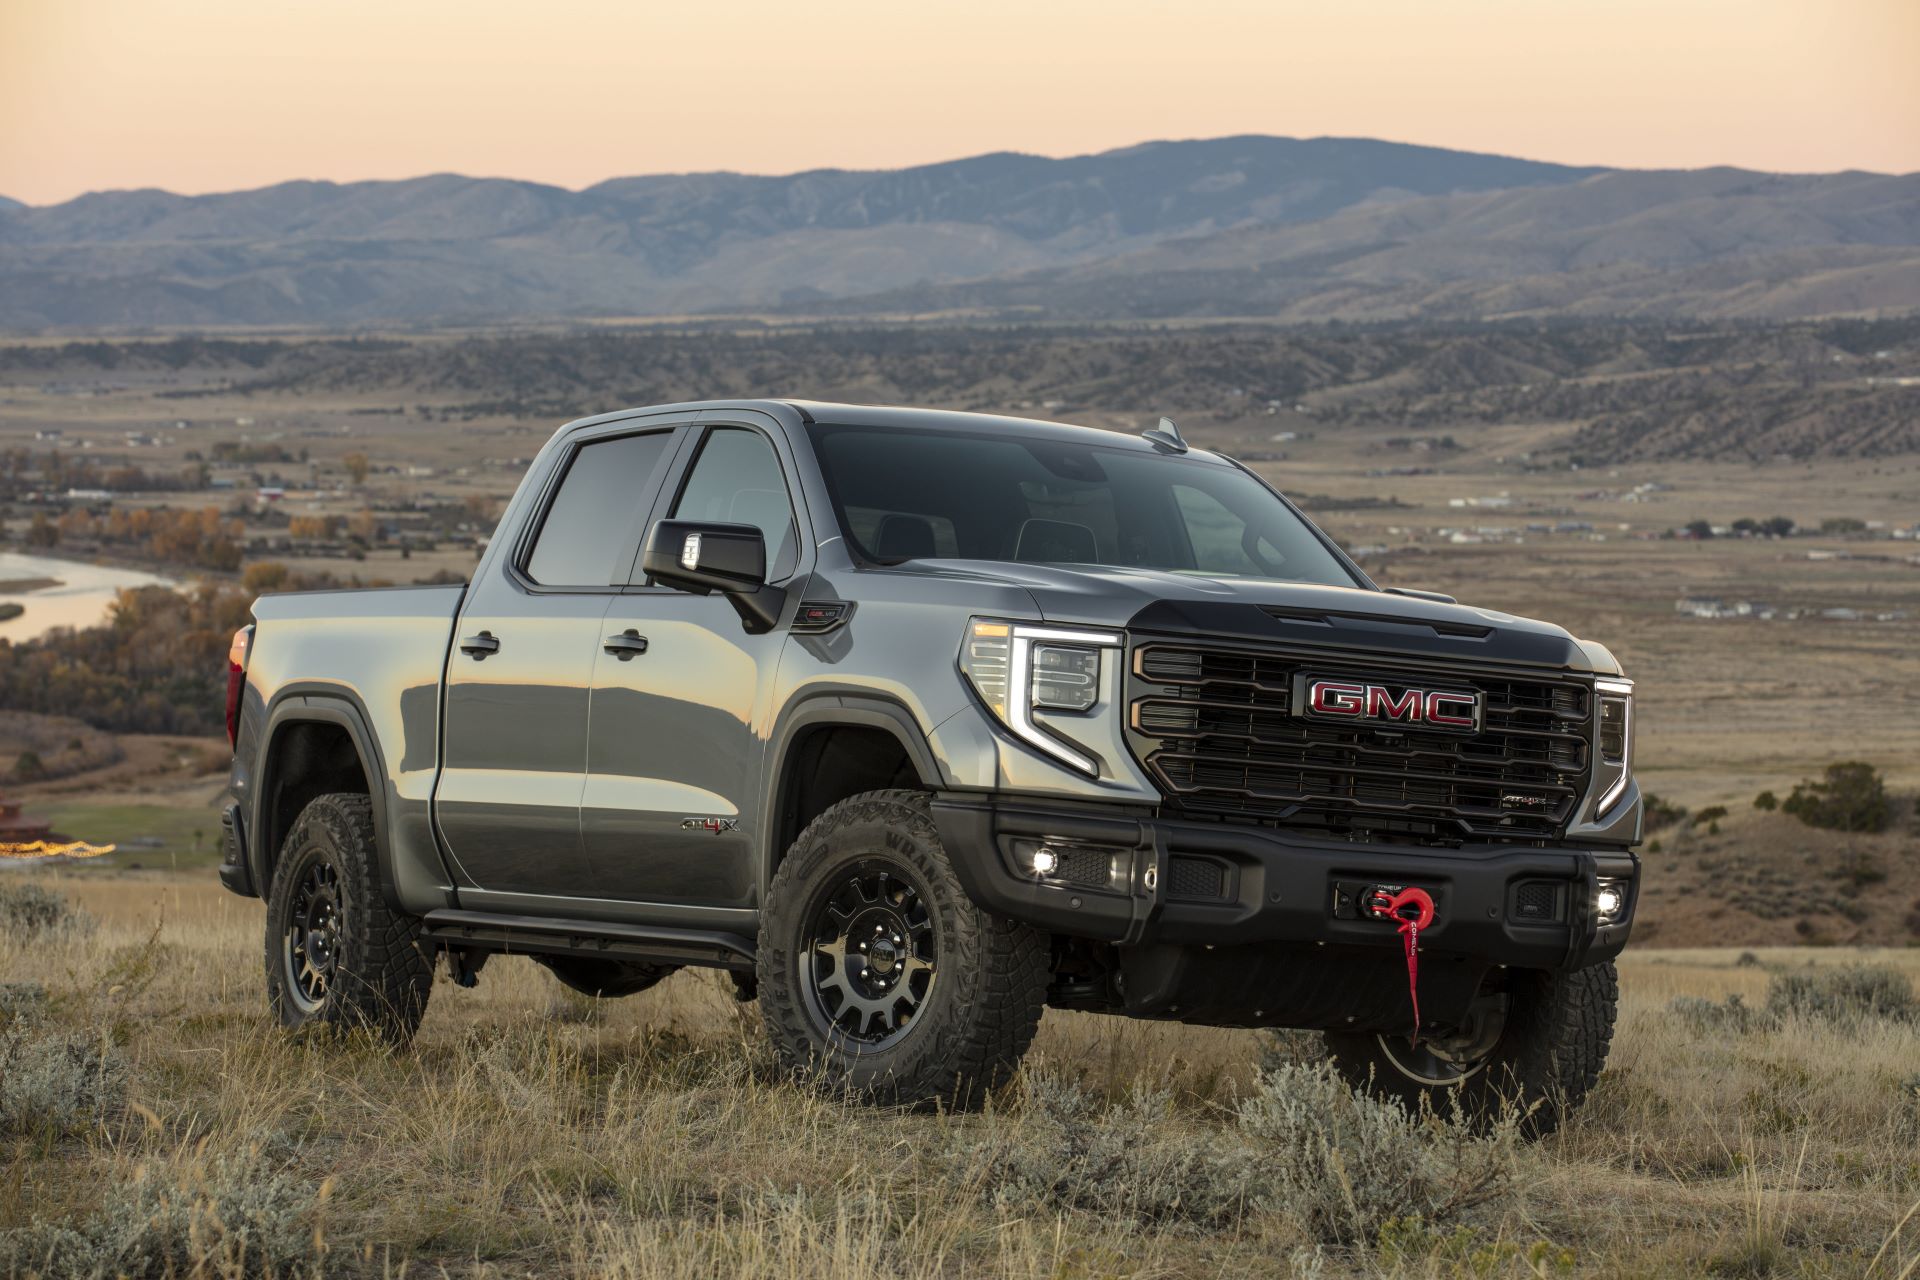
478 647
628 644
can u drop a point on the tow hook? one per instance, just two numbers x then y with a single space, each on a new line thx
1411 909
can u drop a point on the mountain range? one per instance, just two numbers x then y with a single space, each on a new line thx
1291 229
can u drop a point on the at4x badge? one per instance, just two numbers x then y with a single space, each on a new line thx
716 826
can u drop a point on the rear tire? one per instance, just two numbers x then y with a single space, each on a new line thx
337 955
878 974
1548 1054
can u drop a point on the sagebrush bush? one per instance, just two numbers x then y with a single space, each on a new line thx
1843 994
1718 1017
56 1081
240 1214
1303 1144
32 911
21 1004
1133 1159
1345 1164
1284 1046
1848 995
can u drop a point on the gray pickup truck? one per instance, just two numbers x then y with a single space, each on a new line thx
917 723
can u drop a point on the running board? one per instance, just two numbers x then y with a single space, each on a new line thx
486 931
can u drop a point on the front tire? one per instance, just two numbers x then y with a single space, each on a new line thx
1540 1061
337 955
878 974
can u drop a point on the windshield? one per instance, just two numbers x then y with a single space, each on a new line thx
908 493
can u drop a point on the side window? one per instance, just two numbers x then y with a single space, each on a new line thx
737 480
584 540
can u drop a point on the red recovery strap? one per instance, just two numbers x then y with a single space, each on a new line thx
1393 907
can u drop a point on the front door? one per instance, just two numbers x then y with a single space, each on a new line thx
519 678
671 812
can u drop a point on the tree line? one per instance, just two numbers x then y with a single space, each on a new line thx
157 665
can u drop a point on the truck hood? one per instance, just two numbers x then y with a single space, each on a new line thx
1293 613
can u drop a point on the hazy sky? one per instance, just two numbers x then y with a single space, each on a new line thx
204 95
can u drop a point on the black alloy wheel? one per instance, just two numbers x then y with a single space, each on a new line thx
874 957
310 944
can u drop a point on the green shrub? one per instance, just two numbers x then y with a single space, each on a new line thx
1851 797
1662 813
1710 814
1858 869
1767 801
1848 994
56 1082
32 911
1845 995
1129 1160
1346 1164
21 1004
239 1215
1732 1016
1303 1144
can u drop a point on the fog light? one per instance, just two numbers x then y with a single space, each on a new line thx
1610 901
1088 866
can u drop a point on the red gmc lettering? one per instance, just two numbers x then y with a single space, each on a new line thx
1332 698
1382 705
1378 702
1437 713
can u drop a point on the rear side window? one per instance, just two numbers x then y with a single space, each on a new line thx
737 480
584 541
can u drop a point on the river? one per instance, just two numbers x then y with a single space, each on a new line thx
80 600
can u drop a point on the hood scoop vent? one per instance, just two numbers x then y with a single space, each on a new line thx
1327 617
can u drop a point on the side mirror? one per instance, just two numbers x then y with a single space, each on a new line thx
691 555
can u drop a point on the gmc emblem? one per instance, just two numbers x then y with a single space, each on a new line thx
1455 710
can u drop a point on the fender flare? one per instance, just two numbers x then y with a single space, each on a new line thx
835 708
321 702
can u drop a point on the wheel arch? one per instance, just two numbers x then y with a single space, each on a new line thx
788 757
304 716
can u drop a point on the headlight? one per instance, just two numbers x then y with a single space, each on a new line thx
1614 740
1017 666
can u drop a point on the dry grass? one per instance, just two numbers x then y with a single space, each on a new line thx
534 1133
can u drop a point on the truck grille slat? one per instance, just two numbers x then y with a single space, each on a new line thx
1216 728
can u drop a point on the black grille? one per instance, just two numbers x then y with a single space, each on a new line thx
1536 901
1092 867
1216 728
1199 879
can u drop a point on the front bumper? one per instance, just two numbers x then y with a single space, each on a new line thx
1498 904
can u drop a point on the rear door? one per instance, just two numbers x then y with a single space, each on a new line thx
671 812
518 680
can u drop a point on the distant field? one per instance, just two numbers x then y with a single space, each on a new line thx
532 1133
147 834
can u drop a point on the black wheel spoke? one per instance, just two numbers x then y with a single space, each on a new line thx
313 935
872 958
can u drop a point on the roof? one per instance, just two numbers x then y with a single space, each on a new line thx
828 413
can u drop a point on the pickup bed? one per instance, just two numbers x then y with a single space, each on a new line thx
919 722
